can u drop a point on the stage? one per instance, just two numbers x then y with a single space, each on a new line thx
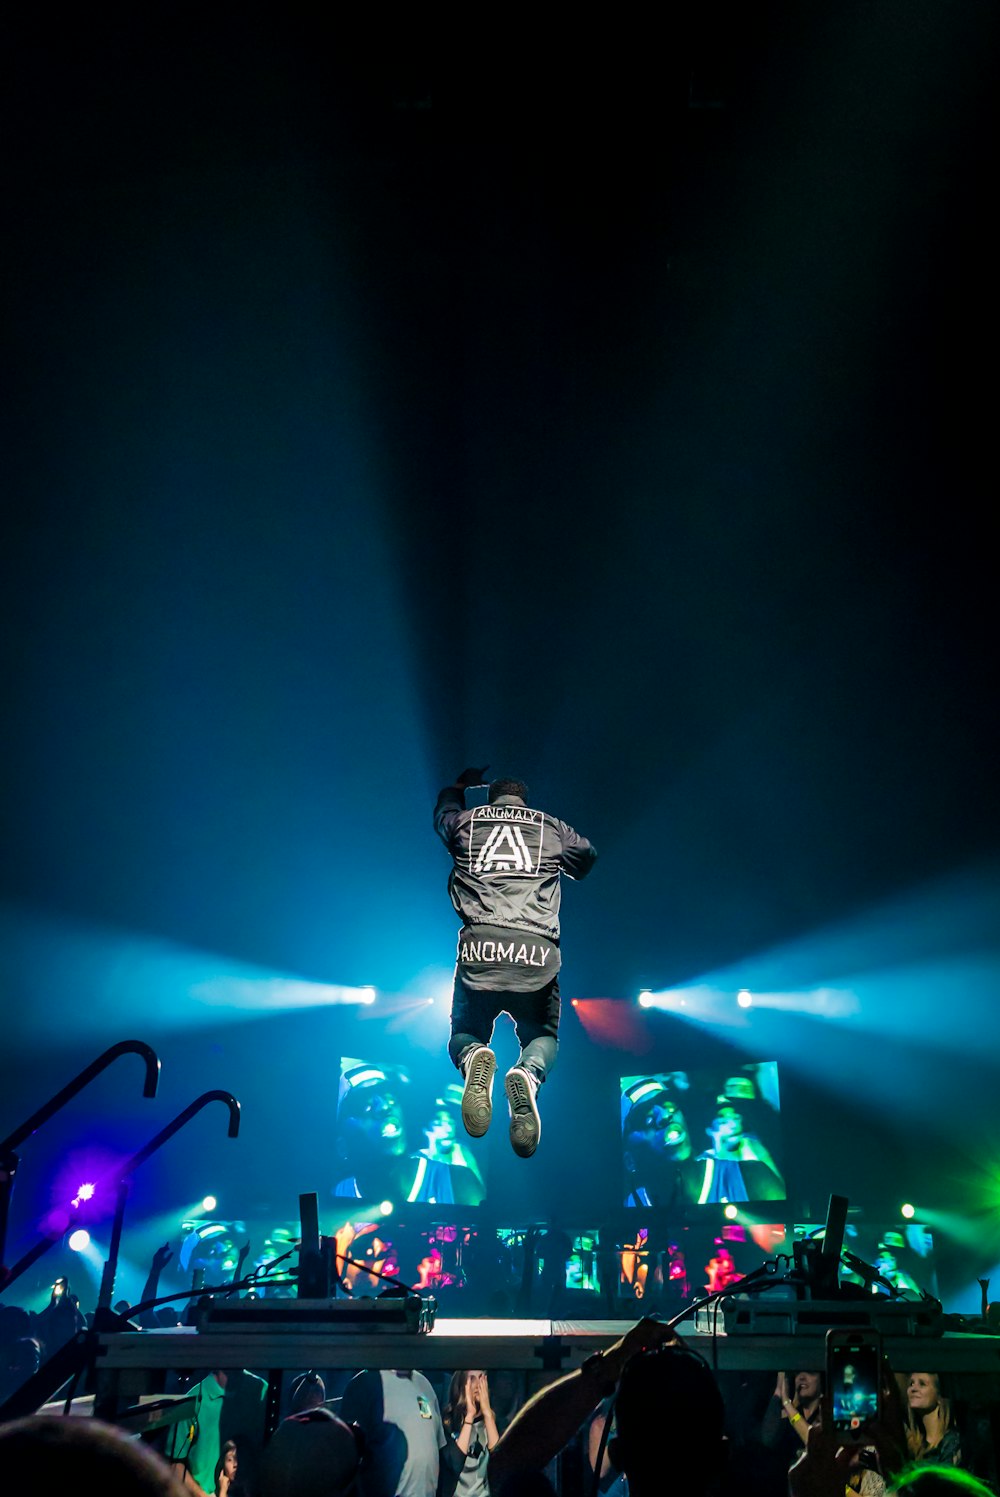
132 1364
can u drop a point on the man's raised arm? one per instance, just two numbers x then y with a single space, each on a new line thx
552 1416
451 800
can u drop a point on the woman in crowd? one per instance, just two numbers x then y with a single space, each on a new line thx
471 1424
793 1411
931 1436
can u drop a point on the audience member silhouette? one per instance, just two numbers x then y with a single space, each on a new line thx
44 1453
397 1410
312 1454
643 1447
308 1392
662 1369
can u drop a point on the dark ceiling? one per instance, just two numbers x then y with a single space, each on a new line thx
613 406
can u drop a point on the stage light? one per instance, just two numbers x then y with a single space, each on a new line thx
744 998
907 1210
209 1203
366 994
79 1240
669 1000
86 1191
386 1208
731 1212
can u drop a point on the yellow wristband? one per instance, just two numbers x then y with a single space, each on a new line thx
795 1418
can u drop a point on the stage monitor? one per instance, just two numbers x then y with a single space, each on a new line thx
666 1267
702 1138
583 1266
401 1141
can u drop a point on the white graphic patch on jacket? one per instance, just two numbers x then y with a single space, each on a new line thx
505 843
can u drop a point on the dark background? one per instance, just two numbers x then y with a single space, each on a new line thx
614 405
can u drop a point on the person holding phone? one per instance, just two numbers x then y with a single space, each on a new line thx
839 1459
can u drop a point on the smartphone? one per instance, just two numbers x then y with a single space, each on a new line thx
58 1290
853 1379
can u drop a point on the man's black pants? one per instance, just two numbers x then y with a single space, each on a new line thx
536 1022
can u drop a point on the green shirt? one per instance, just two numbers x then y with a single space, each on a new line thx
198 1444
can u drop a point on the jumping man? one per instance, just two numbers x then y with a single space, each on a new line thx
507 862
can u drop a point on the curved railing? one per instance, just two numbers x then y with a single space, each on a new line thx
128 1170
71 1361
8 1148
122 1177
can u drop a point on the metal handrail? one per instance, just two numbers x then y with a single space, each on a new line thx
86 1076
8 1148
127 1170
123 1176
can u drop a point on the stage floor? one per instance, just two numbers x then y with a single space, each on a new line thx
544 1347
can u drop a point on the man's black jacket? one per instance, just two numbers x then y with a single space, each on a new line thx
508 859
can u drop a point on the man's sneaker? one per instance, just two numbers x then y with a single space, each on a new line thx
477 1104
525 1124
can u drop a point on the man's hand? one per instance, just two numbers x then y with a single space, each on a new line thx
643 1336
470 777
162 1257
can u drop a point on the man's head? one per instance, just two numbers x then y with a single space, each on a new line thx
47 1454
670 1389
726 1127
313 1454
653 1126
308 1392
370 1121
508 787
441 1128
